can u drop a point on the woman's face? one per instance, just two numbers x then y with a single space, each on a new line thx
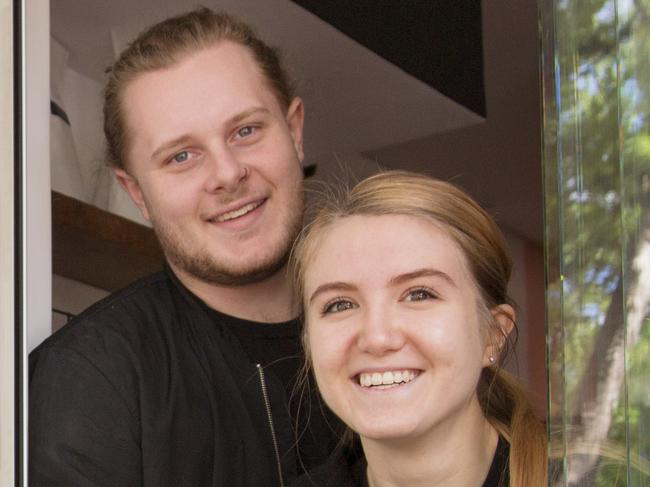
393 326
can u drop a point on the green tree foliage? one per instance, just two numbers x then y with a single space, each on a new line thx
597 157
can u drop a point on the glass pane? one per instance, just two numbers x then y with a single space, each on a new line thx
597 190
634 94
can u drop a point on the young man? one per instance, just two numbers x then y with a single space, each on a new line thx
185 377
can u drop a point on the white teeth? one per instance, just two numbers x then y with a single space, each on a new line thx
237 213
386 378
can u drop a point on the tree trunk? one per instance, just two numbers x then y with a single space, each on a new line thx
603 381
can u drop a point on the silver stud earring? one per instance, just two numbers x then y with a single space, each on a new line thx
492 359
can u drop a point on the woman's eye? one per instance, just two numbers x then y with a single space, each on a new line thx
182 156
419 294
245 131
337 306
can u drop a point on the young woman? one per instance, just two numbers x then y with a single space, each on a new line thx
407 322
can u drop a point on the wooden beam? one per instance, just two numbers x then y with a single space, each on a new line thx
99 248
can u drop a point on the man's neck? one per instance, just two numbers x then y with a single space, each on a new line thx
269 301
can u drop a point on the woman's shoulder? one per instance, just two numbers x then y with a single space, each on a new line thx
346 467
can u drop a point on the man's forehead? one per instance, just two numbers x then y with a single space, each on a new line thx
224 69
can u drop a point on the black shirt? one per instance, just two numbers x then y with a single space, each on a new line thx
150 388
278 347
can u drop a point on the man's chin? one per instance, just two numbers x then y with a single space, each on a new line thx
237 279
232 276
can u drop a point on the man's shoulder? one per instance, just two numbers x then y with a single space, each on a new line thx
123 317
106 351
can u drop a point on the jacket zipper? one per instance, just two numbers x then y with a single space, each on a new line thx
267 404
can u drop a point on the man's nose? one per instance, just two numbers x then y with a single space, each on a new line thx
380 333
225 171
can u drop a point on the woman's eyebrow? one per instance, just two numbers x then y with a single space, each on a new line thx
424 272
331 286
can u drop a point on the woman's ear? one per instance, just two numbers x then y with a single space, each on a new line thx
504 320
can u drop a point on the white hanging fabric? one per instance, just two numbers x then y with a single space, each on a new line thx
64 163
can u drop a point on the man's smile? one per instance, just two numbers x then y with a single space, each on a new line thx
237 212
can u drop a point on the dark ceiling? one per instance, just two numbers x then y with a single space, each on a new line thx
437 41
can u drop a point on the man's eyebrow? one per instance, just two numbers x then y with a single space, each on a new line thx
247 113
185 138
331 286
424 272
181 140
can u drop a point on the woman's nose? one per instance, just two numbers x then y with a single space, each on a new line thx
379 333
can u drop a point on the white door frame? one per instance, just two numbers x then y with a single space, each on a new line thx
7 249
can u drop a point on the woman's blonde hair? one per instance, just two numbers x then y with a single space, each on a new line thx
503 400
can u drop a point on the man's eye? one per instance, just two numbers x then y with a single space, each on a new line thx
338 305
181 156
419 294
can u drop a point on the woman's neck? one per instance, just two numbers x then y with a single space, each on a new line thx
456 453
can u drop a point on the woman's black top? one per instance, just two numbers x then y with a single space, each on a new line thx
347 468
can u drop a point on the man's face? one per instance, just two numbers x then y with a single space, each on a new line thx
214 162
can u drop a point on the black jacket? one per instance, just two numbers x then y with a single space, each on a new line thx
145 389
347 468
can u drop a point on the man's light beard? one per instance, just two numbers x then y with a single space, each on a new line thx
203 266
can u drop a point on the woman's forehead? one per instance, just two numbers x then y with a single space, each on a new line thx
381 245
